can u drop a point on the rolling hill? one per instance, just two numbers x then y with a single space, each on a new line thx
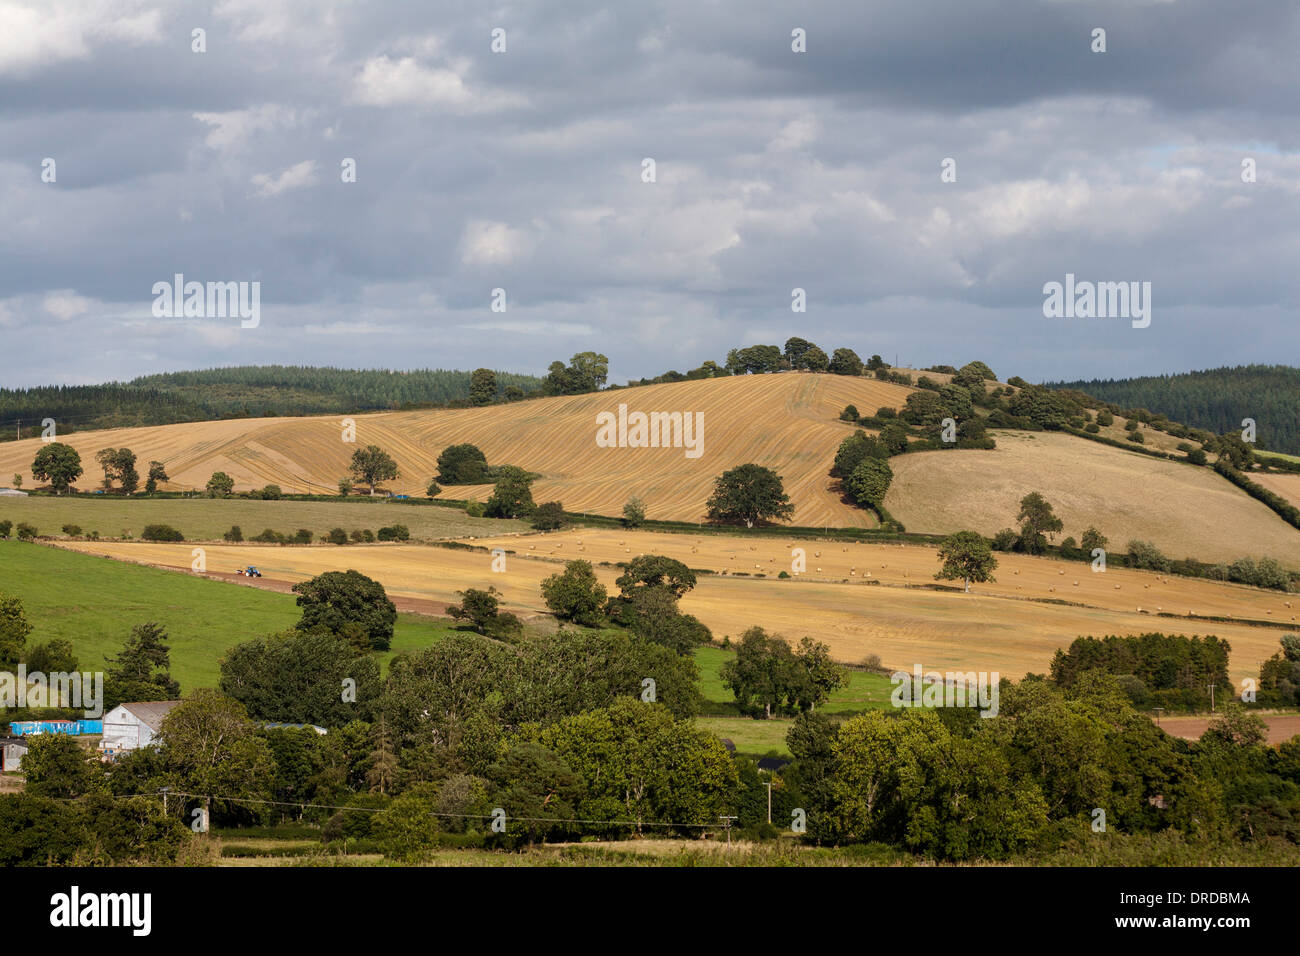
787 421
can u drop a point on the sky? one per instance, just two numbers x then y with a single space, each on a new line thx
523 169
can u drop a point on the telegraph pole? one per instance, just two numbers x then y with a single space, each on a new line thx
726 822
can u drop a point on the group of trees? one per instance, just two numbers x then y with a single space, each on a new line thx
799 355
768 676
1166 669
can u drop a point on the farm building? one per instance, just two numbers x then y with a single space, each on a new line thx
12 750
73 728
132 726
12 493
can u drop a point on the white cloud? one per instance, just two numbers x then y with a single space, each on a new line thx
493 243
33 35
295 177
66 304
405 82
233 129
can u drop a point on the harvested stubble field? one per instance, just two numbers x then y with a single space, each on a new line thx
786 421
1185 510
995 627
1288 486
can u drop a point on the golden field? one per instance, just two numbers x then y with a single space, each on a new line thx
787 422
1186 511
1005 626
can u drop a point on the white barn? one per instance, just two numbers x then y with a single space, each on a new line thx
132 726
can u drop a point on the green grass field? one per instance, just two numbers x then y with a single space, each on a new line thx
207 519
1277 454
756 738
94 602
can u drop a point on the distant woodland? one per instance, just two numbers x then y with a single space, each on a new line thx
1216 399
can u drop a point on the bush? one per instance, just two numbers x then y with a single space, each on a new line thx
234 534
160 532
337 536
396 532
1092 428
850 413
26 532
268 536
1005 540
362 536
1146 556
474 509
1136 438
549 516
270 493
1105 418
6 527
72 530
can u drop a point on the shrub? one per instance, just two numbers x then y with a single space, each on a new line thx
1005 540
362 536
886 412
26 532
234 534
337 536
549 516
396 532
6 527
301 536
1145 555
268 536
1105 418
1136 438
72 530
850 413
1092 428
160 532
474 509
271 493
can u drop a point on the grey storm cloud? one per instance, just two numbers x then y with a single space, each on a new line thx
522 170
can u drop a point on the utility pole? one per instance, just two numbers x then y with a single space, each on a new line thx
726 822
164 793
1211 698
769 801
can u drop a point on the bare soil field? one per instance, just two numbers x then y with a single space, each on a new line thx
990 630
1280 726
787 422
1186 511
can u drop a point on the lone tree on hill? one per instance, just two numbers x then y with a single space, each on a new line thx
576 594
482 386
220 485
512 497
462 465
966 556
1036 518
157 473
59 464
749 493
634 512
372 464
